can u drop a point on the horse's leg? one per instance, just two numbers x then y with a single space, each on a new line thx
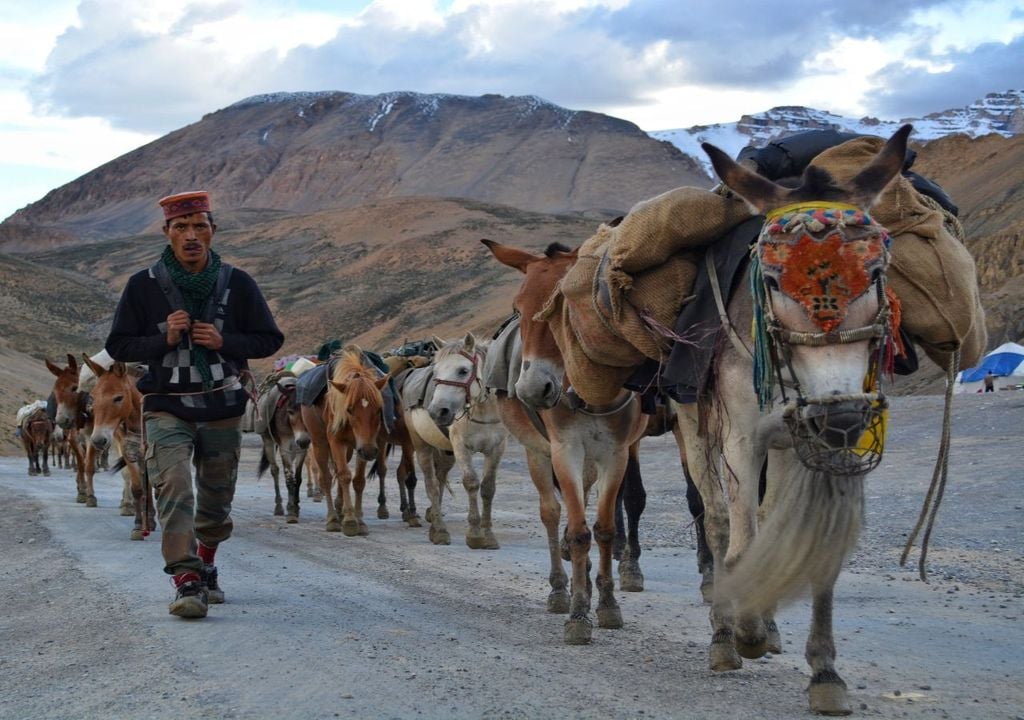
406 473
543 477
567 460
827 692
26 443
133 478
343 505
90 471
358 485
44 447
293 479
443 463
634 498
766 501
487 490
470 481
438 533
380 468
325 478
270 455
705 561
611 472
722 654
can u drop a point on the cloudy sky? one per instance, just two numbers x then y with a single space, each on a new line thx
83 81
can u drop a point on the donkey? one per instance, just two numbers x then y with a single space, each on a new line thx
822 315
117 420
36 429
459 417
581 446
75 419
279 424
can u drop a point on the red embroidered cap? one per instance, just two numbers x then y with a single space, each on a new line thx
185 203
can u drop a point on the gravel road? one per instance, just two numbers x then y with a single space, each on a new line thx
319 625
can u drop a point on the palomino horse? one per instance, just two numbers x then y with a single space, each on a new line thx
583 446
117 420
456 415
36 429
347 418
278 420
821 314
75 418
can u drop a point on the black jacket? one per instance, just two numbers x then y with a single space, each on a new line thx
139 334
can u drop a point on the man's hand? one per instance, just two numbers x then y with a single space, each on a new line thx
178 322
207 335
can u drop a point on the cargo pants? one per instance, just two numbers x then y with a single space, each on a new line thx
173 446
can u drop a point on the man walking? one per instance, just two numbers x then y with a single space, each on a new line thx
195 321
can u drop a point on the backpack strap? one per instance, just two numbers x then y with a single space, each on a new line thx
167 286
219 297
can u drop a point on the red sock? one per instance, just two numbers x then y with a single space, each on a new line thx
182 578
206 553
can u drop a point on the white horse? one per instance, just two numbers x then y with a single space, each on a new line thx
451 417
815 418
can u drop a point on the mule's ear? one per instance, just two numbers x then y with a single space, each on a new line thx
760 193
72 363
469 341
508 255
53 368
438 342
381 382
869 183
96 368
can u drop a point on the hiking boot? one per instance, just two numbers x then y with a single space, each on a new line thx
214 595
190 596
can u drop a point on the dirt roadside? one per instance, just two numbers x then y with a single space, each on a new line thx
319 626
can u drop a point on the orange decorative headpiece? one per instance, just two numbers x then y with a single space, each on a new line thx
185 203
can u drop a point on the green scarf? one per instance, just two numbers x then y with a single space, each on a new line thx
195 291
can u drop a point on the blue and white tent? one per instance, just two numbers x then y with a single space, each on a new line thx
1006 363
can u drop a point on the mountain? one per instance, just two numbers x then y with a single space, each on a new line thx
997 113
306 152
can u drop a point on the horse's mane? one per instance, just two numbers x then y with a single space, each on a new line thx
453 348
360 382
556 248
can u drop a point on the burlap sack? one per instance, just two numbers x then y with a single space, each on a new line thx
680 219
931 271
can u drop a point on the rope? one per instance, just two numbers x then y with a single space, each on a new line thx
939 475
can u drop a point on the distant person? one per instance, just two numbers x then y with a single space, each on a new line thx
990 382
195 321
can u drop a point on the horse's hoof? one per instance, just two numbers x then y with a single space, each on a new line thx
333 525
751 638
558 602
630 577
578 630
491 542
90 501
318 498
414 521
609 618
137 534
829 698
80 498
46 473
723 657
126 511
350 528
292 519
774 639
440 537
362 529
278 510
475 541
382 512
752 650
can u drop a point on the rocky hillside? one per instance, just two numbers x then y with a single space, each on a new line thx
306 152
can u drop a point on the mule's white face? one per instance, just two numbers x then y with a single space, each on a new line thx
830 370
450 401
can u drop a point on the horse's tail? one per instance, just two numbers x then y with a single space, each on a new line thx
812 528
